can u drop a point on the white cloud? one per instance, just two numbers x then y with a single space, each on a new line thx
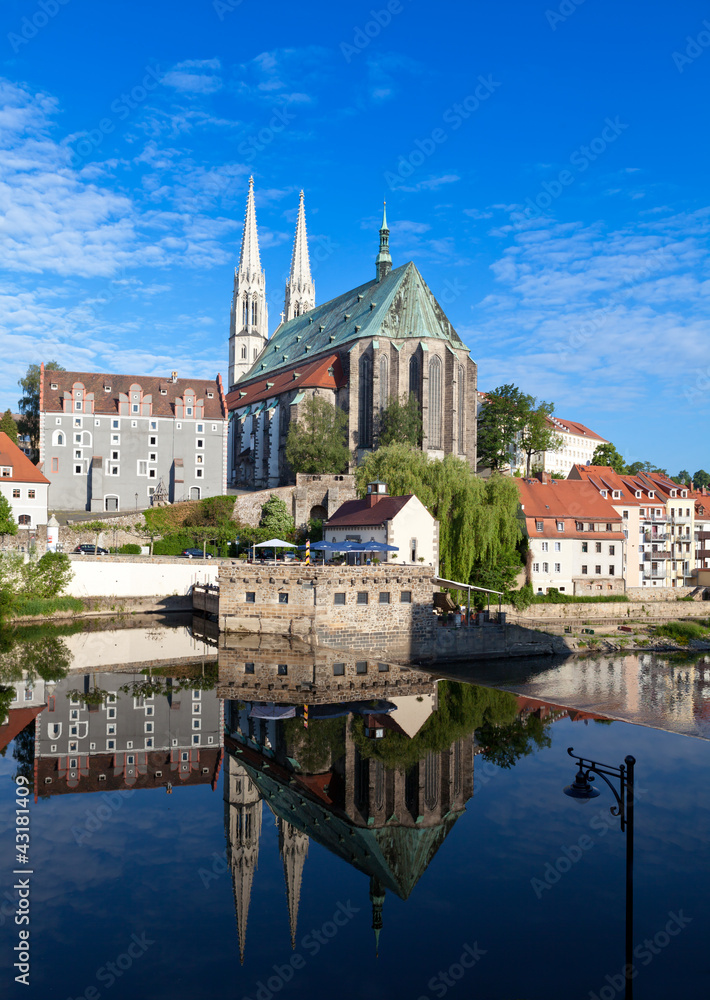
187 78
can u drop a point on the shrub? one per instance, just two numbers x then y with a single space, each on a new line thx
682 632
130 549
553 596
521 599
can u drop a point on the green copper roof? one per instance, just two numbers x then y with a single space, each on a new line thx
398 307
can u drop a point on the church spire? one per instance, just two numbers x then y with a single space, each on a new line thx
242 820
300 290
377 898
384 260
249 321
293 846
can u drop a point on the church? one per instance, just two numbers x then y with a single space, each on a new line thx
382 340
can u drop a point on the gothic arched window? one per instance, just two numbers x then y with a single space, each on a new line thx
384 383
414 385
244 350
253 312
461 408
255 353
365 404
245 311
435 403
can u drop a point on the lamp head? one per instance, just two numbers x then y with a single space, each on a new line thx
581 788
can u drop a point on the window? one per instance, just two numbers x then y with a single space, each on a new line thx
111 729
625 514
78 470
16 494
152 441
598 546
115 456
362 597
248 668
110 713
338 669
283 598
135 408
598 570
250 597
110 744
536 567
545 567
384 597
611 571
214 426
558 546
435 400
338 598
383 668
585 546
142 468
405 597
115 439
154 425
282 669
361 667
365 403
560 525
150 742
196 723
115 424
611 550
608 527
148 727
200 443
544 546
199 429
538 526
55 465
199 473
199 459
558 568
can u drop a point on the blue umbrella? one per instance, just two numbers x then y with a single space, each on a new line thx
379 547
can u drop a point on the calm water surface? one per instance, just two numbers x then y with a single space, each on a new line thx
241 854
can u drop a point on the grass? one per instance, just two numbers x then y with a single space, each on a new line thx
33 607
555 597
682 632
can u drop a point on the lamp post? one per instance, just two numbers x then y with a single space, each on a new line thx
582 789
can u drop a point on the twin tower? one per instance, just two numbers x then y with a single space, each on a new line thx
249 321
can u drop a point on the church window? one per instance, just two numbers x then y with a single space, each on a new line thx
414 377
58 438
435 403
245 312
253 312
461 405
384 383
255 353
365 404
244 351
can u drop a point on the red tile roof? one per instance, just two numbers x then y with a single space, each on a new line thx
574 427
107 401
569 498
18 719
322 373
23 471
361 513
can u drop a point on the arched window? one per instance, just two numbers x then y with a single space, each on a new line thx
255 353
245 311
461 409
244 350
365 404
253 312
24 520
384 383
414 383
58 439
435 403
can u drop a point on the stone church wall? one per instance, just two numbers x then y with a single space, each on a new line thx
310 491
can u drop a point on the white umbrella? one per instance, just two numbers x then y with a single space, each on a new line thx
275 543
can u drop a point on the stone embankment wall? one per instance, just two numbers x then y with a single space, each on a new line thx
383 607
645 594
310 491
538 614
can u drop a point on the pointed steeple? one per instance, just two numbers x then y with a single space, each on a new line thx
300 290
293 847
383 261
249 321
377 898
249 259
242 821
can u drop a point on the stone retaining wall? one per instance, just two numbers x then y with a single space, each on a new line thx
310 491
621 611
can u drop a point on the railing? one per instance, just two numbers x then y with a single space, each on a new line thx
662 536
653 556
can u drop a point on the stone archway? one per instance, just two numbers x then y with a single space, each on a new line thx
318 513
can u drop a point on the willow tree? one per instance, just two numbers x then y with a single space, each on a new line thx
478 519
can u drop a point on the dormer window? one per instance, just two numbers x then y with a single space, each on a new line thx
684 493
163 392
135 408
638 494
107 388
673 493
188 411
651 494
616 494
603 493
210 395
54 385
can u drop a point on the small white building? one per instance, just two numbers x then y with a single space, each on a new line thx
402 521
23 485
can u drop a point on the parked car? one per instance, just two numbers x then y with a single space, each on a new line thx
91 550
196 554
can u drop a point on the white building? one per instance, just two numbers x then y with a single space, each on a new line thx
577 446
402 521
23 485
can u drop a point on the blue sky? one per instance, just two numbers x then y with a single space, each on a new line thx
544 166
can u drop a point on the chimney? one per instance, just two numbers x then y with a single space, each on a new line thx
544 477
375 492
173 377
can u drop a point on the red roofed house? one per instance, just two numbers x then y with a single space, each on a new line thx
576 537
402 521
23 485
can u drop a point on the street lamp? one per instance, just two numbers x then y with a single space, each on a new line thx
582 790
136 501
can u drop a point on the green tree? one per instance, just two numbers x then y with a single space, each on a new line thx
317 442
701 478
401 420
606 454
683 476
478 519
8 426
536 435
276 520
51 575
500 420
8 525
29 403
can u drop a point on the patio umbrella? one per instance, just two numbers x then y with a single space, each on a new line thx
274 543
379 547
271 711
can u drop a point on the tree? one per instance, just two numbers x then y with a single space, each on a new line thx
636 467
401 420
701 478
478 519
52 574
8 426
29 403
501 418
275 519
606 454
8 525
317 442
683 476
536 435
